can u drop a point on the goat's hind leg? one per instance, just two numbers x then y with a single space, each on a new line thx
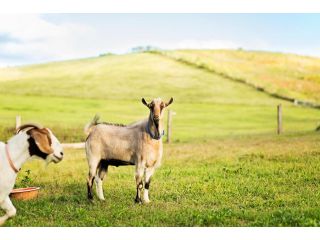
139 183
8 207
93 164
101 173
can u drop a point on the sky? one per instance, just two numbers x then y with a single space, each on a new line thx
37 38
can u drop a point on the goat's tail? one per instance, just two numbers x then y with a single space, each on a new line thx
90 125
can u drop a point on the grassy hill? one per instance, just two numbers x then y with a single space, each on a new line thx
65 95
286 75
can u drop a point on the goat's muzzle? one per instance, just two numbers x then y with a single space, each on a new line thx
56 159
156 119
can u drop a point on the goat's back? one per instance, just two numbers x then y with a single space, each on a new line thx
114 142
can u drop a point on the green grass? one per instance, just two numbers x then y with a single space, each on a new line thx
241 181
286 75
225 167
193 122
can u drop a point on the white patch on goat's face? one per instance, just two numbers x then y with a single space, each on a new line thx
56 146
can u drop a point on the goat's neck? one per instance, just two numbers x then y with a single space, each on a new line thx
18 149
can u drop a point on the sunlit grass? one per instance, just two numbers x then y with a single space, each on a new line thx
287 75
241 181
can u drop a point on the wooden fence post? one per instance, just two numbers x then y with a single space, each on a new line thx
18 121
169 125
279 118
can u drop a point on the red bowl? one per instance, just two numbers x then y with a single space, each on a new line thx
24 193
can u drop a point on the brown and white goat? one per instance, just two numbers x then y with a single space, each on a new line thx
30 140
136 144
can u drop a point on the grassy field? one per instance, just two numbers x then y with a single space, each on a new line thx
225 167
251 181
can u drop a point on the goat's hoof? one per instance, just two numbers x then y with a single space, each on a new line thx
2 220
90 195
146 201
138 201
102 199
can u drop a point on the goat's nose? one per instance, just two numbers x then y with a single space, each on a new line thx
61 153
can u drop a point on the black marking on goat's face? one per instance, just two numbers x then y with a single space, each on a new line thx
34 149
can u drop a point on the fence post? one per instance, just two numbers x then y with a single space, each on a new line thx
18 121
279 118
169 126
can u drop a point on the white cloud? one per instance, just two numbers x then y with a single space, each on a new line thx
31 37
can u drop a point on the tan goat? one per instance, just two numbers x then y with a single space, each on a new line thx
136 144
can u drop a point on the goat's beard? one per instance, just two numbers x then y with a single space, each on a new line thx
48 160
157 128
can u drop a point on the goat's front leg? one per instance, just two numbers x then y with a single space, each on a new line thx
10 210
139 183
148 174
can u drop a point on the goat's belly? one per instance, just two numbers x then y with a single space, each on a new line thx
116 151
121 157
117 162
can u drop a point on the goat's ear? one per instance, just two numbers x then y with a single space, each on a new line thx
170 101
144 102
42 139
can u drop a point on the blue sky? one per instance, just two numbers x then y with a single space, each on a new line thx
27 39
